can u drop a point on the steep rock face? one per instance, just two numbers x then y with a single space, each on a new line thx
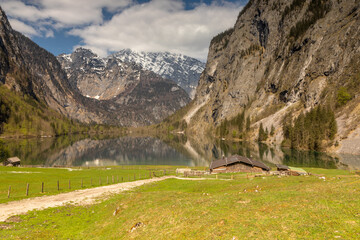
140 97
282 56
184 70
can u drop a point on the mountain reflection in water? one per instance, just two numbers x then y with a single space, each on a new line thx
180 151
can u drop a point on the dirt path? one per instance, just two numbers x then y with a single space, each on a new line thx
86 196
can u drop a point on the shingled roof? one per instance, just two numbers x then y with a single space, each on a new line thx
238 159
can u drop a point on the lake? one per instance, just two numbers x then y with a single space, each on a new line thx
175 150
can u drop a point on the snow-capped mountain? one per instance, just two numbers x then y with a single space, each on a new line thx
184 70
143 96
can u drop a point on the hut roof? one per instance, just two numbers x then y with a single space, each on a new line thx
13 160
282 167
238 159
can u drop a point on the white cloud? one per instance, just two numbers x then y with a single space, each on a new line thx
61 13
158 25
23 28
161 26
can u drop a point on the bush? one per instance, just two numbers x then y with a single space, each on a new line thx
343 96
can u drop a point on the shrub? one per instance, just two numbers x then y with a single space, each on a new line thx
343 96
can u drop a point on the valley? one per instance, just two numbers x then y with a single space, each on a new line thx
120 143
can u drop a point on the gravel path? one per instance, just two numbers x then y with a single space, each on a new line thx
85 196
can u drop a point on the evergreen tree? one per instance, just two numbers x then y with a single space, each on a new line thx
272 131
262 133
248 124
241 121
309 130
4 153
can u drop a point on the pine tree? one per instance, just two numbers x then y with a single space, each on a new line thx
248 124
262 133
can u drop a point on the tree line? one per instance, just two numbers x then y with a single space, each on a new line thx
309 130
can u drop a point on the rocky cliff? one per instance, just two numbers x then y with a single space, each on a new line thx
281 57
30 70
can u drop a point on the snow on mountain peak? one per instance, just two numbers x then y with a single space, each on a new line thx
184 70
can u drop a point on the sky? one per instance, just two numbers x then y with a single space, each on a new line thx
107 26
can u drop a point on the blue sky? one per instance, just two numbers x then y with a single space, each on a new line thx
107 26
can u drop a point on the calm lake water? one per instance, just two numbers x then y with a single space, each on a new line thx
102 151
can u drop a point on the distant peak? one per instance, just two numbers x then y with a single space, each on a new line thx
4 20
85 52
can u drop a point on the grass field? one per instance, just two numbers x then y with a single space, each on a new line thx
18 178
269 207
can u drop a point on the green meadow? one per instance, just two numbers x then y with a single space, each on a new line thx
44 181
324 205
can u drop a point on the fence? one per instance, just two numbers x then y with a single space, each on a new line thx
57 185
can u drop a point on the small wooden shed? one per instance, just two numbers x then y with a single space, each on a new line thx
12 162
282 168
236 163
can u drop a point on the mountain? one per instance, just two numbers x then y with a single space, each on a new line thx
141 96
280 60
38 78
184 70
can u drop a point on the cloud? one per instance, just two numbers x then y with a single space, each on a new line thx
157 25
161 26
61 13
23 28
67 12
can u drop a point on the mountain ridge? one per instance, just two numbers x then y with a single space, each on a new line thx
183 70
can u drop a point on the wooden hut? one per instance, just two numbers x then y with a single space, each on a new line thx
12 162
282 168
237 163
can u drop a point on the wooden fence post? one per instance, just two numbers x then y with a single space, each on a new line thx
9 191
117 178
58 185
99 180
232 177
122 178
69 184
27 189
107 179
42 187
112 179
216 176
